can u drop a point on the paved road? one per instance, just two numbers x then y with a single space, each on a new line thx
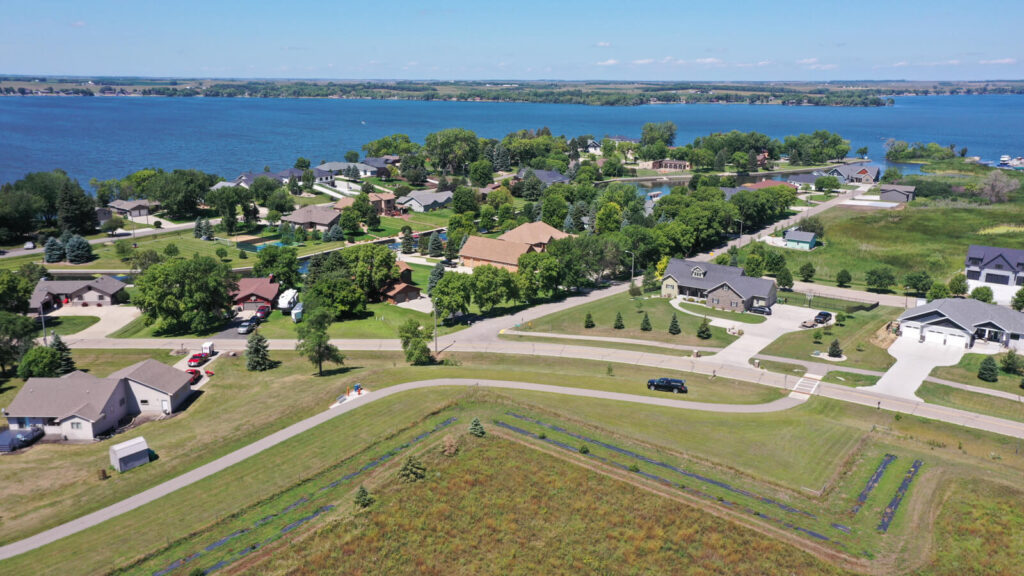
220 464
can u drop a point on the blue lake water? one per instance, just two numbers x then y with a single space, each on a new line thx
111 137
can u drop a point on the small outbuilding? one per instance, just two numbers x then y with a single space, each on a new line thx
800 239
130 454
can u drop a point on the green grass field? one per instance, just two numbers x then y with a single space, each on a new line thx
744 317
603 311
966 372
601 344
971 401
857 332
66 325
922 238
850 378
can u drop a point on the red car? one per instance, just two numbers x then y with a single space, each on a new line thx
262 312
196 376
197 360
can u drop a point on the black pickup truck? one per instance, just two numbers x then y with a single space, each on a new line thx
668 385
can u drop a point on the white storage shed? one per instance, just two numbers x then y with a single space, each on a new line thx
130 454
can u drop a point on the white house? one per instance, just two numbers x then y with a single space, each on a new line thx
963 323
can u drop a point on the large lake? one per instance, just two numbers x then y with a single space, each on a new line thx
111 137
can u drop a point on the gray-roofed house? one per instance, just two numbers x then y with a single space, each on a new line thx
1001 269
155 386
805 180
80 406
855 173
896 193
313 217
963 323
723 287
365 170
546 177
138 207
799 239
424 200
376 161
731 191
49 294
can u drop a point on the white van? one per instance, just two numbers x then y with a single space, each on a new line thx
287 300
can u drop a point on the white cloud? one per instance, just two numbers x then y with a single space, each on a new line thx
900 64
708 61
644 61
609 62
78 24
807 61
765 63
999 61
823 66
604 44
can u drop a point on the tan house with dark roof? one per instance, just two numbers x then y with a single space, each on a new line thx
536 234
80 406
49 294
313 217
479 250
383 203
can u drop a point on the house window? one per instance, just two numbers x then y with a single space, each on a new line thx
121 402
734 304
76 425
100 297
697 273
714 300
144 402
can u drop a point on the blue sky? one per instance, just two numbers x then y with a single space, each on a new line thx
527 39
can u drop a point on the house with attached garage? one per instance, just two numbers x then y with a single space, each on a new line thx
963 323
480 251
855 174
138 207
722 287
424 200
255 292
80 406
49 294
313 217
896 193
1001 269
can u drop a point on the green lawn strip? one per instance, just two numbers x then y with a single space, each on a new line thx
744 317
603 344
966 372
603 311
850 378
417 225
971 401
856 332
318 198
67 325
430 220
920 237
780 367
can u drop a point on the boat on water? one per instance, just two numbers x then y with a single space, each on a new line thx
1004 160
1016 163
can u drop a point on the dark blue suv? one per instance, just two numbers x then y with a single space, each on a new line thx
674 385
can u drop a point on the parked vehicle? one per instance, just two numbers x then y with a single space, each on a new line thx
208 349
197 360
808 324
30 245
247 326
449 263
196 376
761 310
263 312
674 385
287 300
11 440
823 318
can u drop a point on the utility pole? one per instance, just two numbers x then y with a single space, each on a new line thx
435 330
42 318
632 264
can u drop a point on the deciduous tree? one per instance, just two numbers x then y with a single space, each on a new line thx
185 295
39 362
16 335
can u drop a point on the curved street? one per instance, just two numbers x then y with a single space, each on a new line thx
211 468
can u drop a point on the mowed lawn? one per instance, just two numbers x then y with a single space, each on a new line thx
917 238
66 325
855 338
745 317
966 372
971 401
603 312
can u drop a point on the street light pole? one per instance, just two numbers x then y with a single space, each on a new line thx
632 264
435 330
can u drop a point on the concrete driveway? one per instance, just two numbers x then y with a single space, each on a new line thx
756 337
914 362
112 318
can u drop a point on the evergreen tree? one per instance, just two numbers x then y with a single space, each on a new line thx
704 330
424 246
567 222
650 280
334 234
412 470
645 324
435 276
257 354
476 428
207 233
988 371
363 498
1011 363
588 322
197 230
618 321
673 326
67 362
408 242
436 246
53 251
834 351
78 250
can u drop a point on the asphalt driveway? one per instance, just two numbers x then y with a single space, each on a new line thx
914 362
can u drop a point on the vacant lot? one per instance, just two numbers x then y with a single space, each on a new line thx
971 401
933 239
966 372
856 337
632 310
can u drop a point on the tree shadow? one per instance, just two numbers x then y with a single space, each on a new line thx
340 370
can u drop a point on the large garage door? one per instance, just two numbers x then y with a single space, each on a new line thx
959 340
997 279
911 332
934 336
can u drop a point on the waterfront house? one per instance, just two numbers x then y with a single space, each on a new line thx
722 287
313 217
383 203
339 168
768 184
855 174
546 177
137 207
424 200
